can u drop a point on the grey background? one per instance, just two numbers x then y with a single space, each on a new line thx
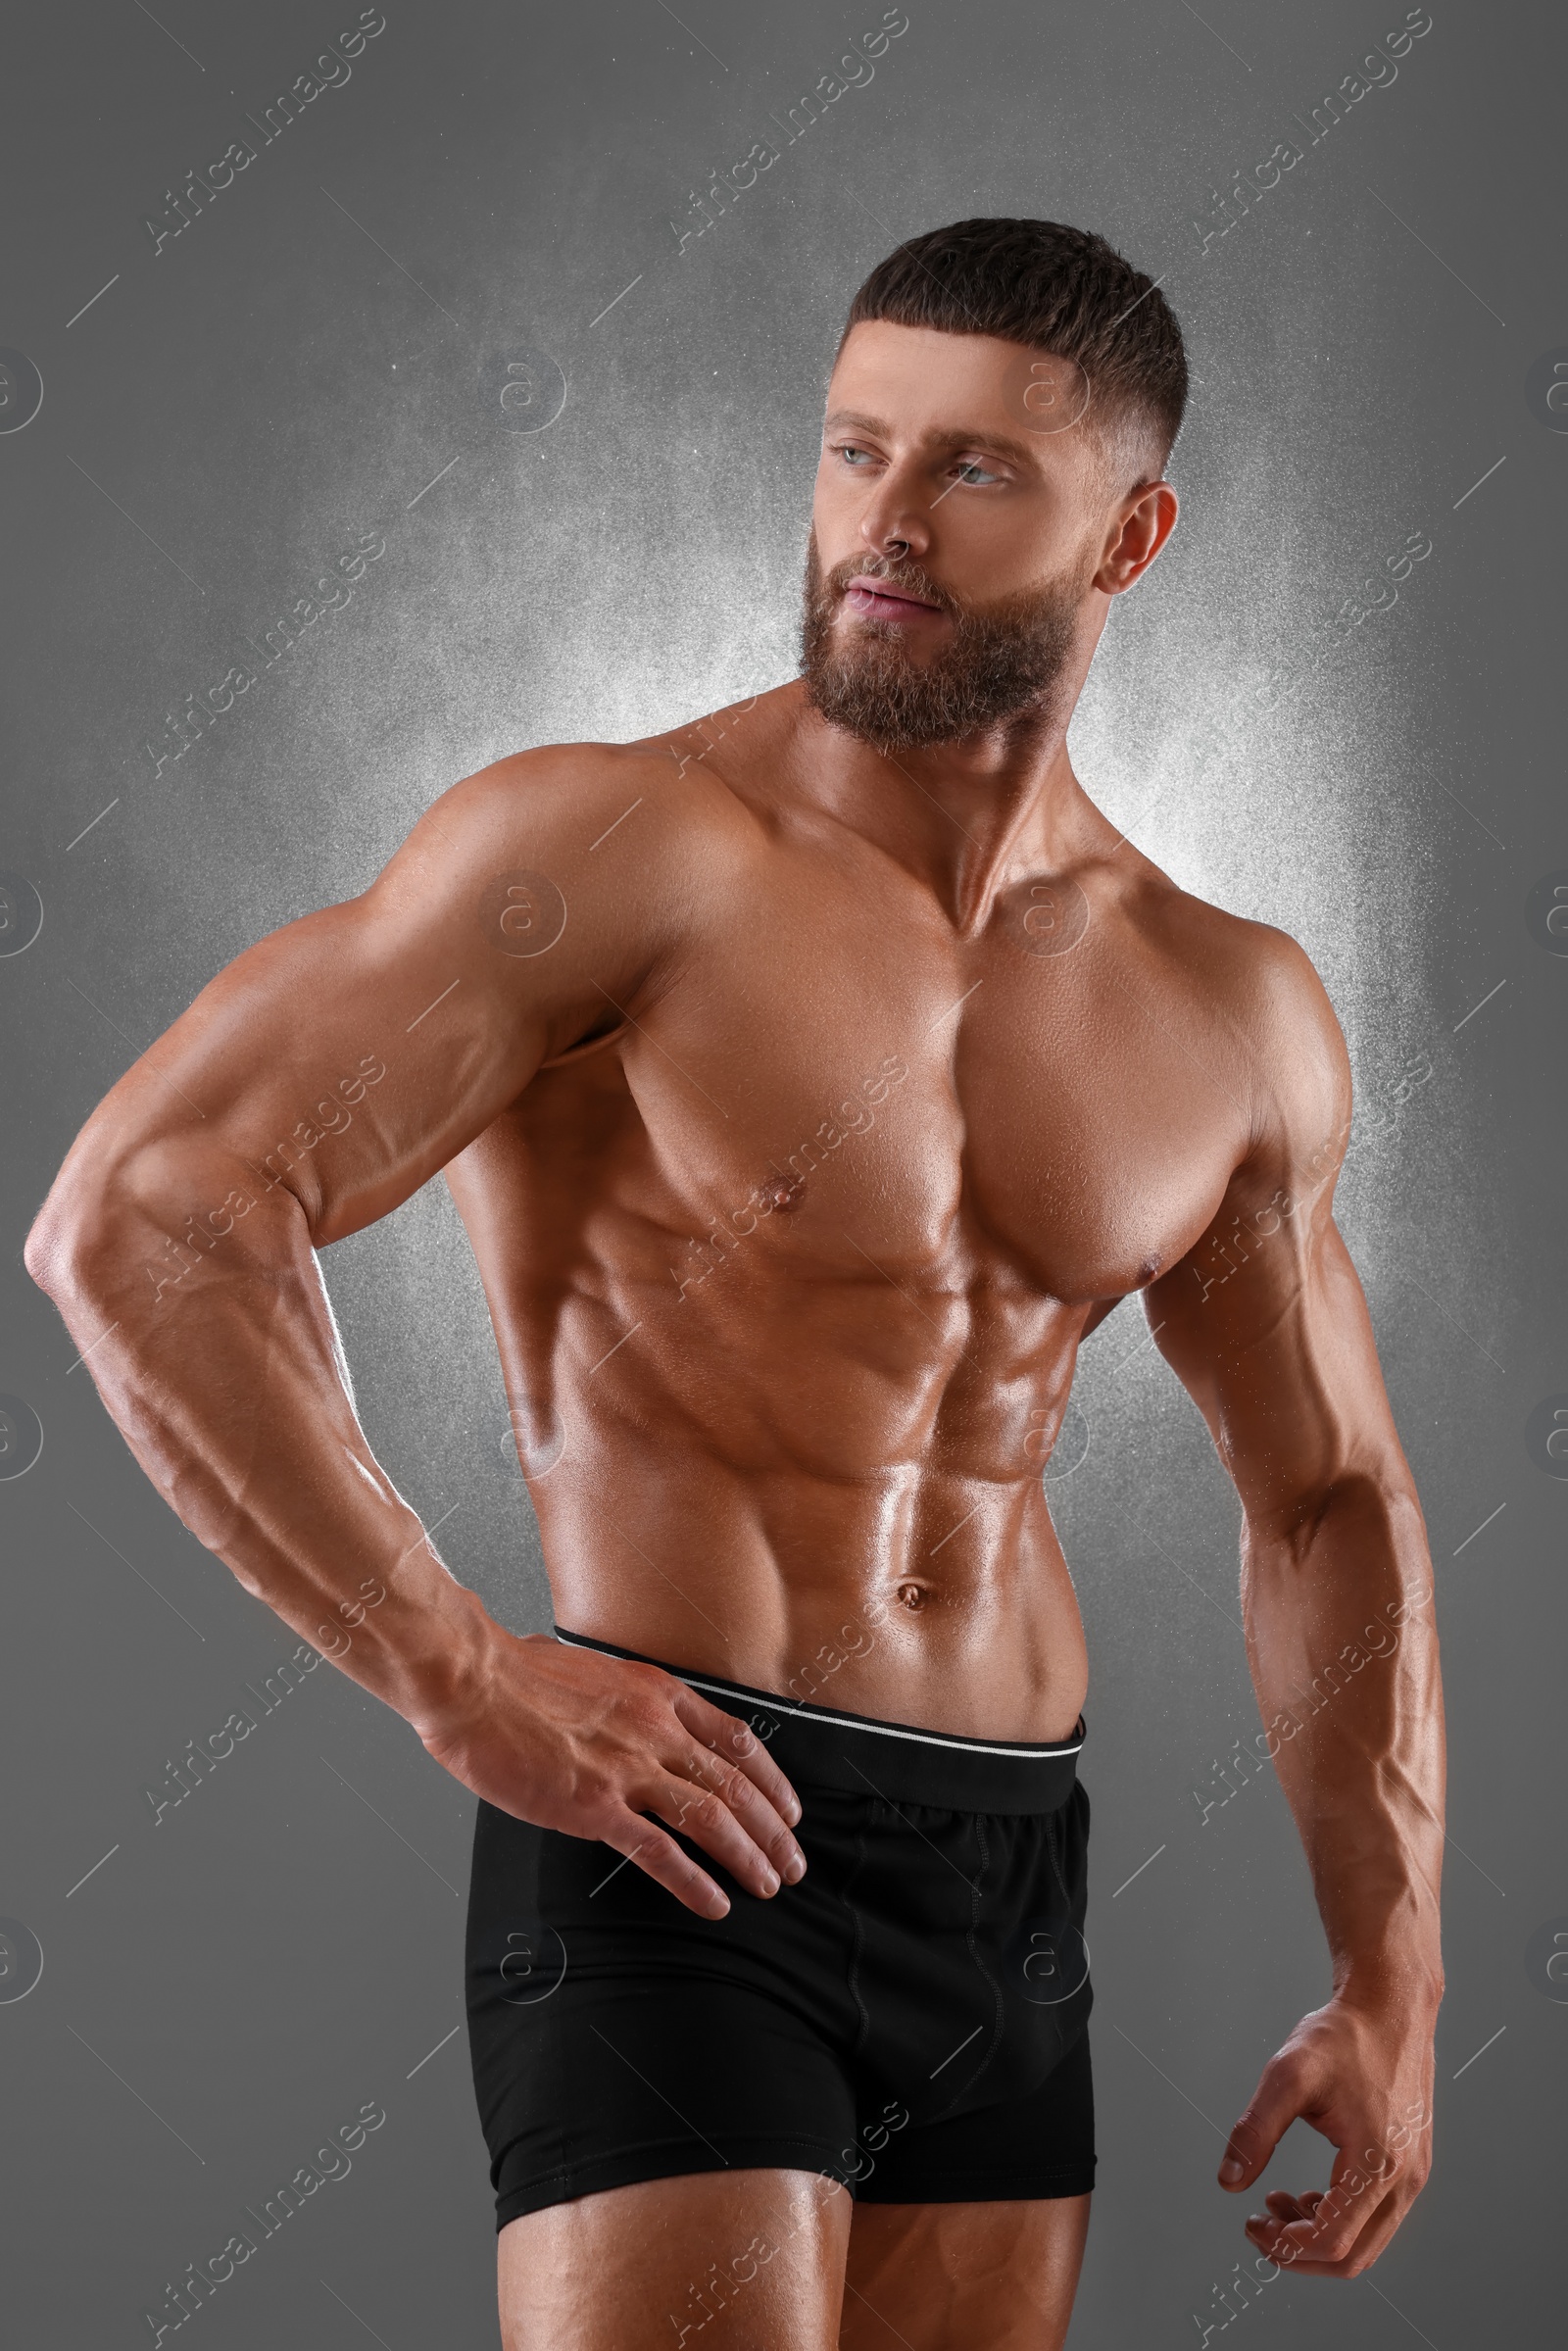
290 371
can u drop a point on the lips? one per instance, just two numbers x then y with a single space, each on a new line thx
874 599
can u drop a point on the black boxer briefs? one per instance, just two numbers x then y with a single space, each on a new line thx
910 2020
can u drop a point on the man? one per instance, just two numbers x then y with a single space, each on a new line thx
811 1081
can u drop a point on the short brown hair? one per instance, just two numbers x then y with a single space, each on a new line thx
1052 288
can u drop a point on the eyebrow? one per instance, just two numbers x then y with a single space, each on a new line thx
1022 452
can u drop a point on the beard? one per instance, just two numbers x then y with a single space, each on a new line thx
1002 659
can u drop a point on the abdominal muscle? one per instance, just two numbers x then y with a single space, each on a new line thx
895 1571
808 1460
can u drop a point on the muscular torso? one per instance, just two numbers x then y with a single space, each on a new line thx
789 1264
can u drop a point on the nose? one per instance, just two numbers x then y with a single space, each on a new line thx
893 524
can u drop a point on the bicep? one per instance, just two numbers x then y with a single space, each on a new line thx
349 1055
1274 1345
1264 1320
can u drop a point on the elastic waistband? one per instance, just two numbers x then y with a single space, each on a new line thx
820 1746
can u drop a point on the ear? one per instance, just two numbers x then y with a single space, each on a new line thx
1139 527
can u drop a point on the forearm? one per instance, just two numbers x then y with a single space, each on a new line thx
1342 1646
216 1356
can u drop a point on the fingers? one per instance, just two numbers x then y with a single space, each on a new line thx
1264 2229
665 1750
661 1858
738 1746
1319 2244
1278 2099
1375 2234
1356 2194
753 1809
1350 2084
703 1816
1286 2207
1340 2233
703 1811
734 1765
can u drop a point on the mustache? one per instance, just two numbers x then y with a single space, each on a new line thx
905 575
1003 660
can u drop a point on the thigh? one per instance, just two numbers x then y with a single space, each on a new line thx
956 2276
712 2261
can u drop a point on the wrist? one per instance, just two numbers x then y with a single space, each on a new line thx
435 1654
1404 1986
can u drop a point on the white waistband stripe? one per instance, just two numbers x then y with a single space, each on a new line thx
854 1722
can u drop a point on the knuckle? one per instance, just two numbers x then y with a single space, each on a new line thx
631 1720
736 1739
1288 2072
635 1686
596 1800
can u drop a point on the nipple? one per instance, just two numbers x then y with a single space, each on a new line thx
781 1193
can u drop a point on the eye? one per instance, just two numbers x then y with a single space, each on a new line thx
851 454
975 475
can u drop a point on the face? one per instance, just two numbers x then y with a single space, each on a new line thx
968 534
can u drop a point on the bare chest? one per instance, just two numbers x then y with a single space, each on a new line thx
1038 1106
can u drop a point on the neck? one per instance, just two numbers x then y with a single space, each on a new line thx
967 816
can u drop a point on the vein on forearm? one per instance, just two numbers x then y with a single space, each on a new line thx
1337 1609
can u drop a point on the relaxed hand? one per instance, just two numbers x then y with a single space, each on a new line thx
591 1744
1363 2079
